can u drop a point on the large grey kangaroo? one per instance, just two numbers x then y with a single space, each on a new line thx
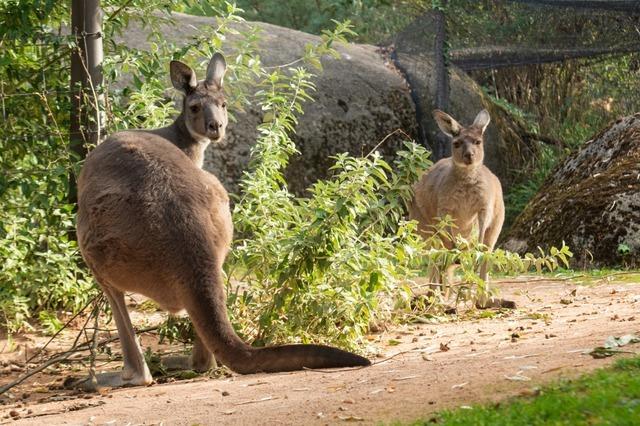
151 221
462 187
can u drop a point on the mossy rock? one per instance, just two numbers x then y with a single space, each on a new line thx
591 201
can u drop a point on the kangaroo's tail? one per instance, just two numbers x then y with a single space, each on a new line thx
208 311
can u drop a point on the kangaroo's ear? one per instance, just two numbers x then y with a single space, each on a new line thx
482 120
182 76
447 124
215 70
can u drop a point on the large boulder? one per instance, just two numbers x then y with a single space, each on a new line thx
591 201
361 98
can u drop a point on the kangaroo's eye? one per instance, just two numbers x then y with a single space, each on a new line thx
456 144
194 108
224 105
477 142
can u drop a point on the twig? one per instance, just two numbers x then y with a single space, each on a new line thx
253 401
94 341
273 67
400 131
117 11
64 355
63 328
96 99
53 118
38 369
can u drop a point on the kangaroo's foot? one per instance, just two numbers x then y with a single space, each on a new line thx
492 302
115 379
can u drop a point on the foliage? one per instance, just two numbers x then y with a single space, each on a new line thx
608 396
374 20
40 260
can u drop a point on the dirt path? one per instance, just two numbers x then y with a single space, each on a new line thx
488 359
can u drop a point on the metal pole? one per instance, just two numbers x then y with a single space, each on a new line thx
86 80
442 148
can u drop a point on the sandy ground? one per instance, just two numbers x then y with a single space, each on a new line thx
435 366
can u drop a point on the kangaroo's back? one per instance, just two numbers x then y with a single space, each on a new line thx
145 212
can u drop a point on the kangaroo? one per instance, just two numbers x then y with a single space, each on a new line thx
151 221
462 187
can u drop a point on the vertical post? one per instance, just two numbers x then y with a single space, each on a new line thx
86 80
441 148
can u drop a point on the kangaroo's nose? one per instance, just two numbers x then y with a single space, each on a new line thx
214 126
468 156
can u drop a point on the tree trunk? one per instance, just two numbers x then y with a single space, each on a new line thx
86 81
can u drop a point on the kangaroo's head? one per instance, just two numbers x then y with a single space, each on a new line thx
204 107
467 145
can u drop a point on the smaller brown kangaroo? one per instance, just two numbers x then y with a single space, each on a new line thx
151 221
462 187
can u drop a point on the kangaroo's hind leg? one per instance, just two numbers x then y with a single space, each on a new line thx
201 359
135 371
490 237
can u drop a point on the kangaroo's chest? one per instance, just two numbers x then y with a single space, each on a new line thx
464 200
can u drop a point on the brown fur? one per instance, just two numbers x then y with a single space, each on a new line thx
152 222
462 187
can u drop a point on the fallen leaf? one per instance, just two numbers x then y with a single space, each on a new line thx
444 347
253 401
460 385
518 377
602 352
616 342
398 379
530 392
520 356
351 418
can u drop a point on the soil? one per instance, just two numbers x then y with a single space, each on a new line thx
476 357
